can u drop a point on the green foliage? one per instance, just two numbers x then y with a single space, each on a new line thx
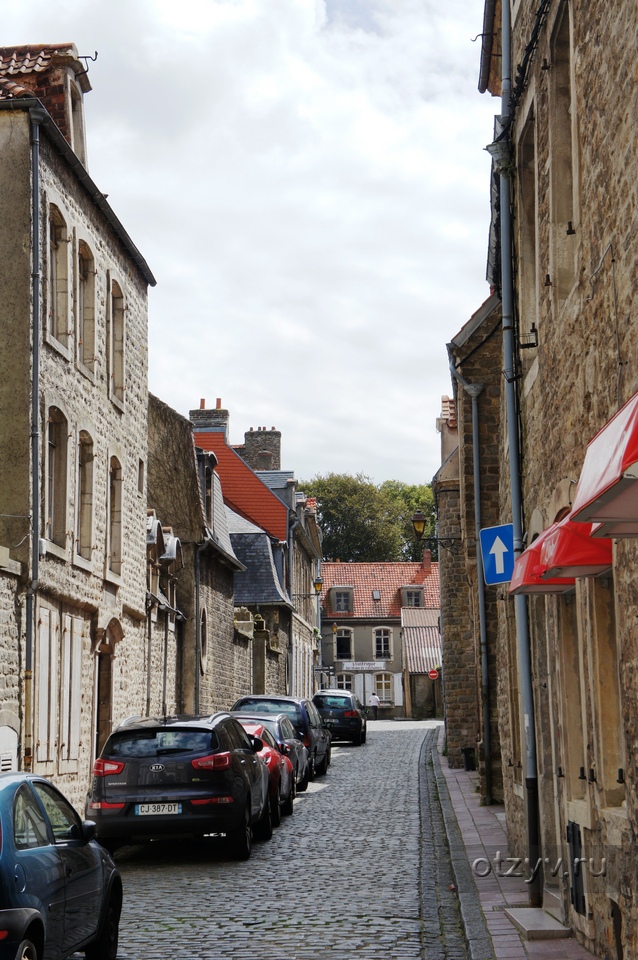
365 522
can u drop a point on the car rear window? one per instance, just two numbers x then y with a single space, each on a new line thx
251 705
338 703
156 743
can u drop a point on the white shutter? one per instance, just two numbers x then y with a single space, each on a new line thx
398 690
76 688
65 686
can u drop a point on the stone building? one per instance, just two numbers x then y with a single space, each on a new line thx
73 406
209 662
566 168
268 500
468 606
361 625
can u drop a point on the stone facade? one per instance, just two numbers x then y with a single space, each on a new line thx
573 181
85 638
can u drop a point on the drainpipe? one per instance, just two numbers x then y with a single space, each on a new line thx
198 625
164 677
293 662
522 624
36 115
149 614
474 390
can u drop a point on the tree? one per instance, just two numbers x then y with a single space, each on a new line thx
365 522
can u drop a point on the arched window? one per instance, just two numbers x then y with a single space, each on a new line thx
116 342
56 488
58 277
85 305
115 516
383 687
84 519
343 645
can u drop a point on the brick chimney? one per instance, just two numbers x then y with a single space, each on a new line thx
55 75
426 563
216 420
262 448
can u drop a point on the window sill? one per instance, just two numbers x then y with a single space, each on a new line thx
88 372
115 400
114 578
82 563
49 548
57 345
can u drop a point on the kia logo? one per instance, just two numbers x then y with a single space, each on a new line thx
157 767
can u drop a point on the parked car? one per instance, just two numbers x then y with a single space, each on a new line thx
282 776
288 742
181 776
305 719
343 715
60 890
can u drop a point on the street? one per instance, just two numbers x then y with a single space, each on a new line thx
361 870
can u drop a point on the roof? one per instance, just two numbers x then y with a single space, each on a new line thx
421 639
17 62
259 582
387 578
244 492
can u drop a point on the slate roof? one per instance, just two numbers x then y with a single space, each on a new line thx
219 530
259 583
421 639
387 578
244 491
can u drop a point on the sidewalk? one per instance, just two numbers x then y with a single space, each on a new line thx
476 831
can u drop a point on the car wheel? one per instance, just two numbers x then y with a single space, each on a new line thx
275 807
26 951
263 827
287 806
322 767
312 766
302 786
364 734
357 739
241 839
104 947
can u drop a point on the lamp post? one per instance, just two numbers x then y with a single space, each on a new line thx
420 522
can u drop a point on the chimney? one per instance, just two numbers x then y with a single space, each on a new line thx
262 448
426 563
215 421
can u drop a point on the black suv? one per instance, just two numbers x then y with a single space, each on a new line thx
181 776
305 719
342 714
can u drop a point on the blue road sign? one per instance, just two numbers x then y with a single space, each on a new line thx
497 549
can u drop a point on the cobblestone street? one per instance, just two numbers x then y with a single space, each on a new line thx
361 870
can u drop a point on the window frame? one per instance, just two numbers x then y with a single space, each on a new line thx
388 635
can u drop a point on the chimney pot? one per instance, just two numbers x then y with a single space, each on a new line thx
202 404
218 404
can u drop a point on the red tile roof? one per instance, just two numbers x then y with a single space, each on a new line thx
243 491
17 64
387 578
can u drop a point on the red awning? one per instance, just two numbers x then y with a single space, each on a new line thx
615 529
528 568
608 485
569 551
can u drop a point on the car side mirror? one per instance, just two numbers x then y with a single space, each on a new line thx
88 831
257 744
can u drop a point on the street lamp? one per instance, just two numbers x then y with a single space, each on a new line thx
420 522
317 584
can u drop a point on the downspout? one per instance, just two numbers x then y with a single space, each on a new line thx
522 624
149 608
198 625
164 677
474 390
36 117
293 659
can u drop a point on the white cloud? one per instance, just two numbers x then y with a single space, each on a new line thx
307 181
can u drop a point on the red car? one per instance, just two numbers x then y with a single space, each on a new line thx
283 788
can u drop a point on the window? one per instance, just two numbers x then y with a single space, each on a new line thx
29 826
527 179
58 279
56 477
344 681
65 823
71 687
344 645
46 683
85 306
609 753
343 601
413 598
84 523
58 686
383 687
77 124
116 342
115 517
382 649
562 171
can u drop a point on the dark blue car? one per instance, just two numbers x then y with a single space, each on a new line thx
59 889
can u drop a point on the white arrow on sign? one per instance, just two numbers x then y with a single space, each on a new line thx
499 550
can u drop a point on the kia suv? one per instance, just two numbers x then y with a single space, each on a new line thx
181 776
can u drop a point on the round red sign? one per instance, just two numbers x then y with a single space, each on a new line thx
433 674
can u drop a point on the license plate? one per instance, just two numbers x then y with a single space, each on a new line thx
156 809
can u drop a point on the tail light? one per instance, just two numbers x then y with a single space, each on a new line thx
305 739
350 713
105 768
216 761
206 800
103 805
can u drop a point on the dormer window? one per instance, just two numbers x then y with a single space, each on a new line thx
78 141
412 596
341 599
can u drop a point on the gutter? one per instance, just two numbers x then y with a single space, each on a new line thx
57 139
487 42
474 390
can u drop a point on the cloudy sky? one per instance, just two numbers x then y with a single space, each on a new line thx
307 181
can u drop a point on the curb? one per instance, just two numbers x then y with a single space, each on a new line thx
479 942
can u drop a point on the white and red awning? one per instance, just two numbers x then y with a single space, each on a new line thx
607 491
568 550
527 577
